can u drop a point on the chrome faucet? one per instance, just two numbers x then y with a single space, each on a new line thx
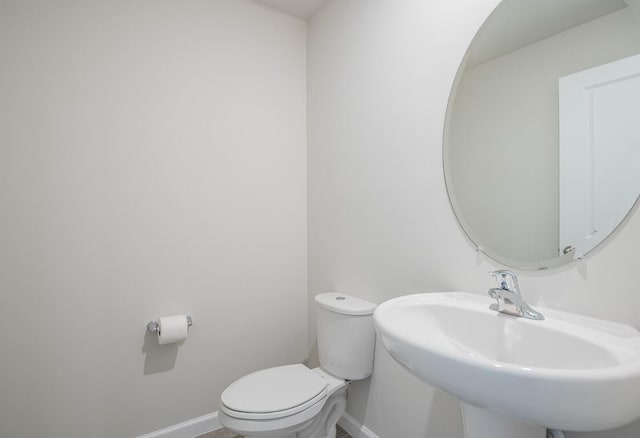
508 297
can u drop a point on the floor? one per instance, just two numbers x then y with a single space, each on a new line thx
224 433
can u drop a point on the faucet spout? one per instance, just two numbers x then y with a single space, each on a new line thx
508 297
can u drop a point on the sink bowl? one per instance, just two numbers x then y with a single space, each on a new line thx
566 372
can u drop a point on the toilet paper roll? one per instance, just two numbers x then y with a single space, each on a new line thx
172 329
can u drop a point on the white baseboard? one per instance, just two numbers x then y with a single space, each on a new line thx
209 422
354 428
188 429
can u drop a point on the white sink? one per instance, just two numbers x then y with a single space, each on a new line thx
566 372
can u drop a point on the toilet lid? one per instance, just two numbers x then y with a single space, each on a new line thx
289 388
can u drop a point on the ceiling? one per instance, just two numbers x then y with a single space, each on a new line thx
303 9
514 24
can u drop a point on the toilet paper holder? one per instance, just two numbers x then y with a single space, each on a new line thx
153 326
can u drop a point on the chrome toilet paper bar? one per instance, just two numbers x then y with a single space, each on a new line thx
153 326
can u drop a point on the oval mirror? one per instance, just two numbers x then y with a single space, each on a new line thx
542 138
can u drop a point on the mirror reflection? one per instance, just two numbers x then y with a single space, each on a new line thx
542 144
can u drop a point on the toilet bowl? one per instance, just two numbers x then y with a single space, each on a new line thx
293 401
283 402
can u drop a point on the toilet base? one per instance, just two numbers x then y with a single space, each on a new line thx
324 424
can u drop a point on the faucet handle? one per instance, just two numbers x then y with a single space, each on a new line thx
506 280
502 273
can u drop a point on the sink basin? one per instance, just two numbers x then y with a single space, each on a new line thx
566 372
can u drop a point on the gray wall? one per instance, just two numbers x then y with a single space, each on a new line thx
152 162
380 224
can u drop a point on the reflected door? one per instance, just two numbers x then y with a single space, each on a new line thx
599 152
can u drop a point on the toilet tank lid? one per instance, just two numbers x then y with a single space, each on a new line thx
345 304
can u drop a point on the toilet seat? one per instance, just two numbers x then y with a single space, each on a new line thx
274 393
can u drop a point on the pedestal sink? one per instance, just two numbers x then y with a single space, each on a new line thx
516 377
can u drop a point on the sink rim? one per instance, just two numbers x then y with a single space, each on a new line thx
565 399
554 320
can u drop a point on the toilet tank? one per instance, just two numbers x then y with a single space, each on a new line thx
346 336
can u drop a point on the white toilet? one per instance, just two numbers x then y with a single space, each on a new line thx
293 401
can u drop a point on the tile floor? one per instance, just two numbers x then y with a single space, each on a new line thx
224 433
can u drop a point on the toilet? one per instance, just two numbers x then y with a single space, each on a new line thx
293 401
